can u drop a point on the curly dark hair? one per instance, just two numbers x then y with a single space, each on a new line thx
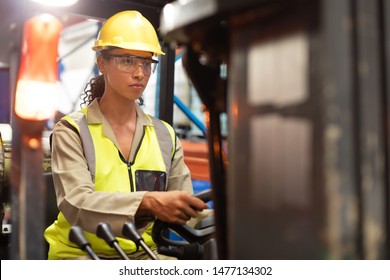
92 90
95 89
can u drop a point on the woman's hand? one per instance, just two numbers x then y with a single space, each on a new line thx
172 207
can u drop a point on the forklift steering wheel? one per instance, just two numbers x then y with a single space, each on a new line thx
198 242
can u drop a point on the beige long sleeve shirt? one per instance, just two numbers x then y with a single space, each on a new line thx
75 193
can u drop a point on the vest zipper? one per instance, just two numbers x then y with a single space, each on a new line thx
128 163
130 177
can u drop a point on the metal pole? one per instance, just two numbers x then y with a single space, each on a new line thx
28 193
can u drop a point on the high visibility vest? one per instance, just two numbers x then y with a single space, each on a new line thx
111 173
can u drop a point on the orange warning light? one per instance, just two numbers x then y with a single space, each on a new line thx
38 83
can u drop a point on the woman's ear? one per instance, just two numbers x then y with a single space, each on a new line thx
101 63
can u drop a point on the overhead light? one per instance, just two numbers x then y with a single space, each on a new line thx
57 3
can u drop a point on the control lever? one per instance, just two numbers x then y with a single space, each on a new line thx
130 231
104 231
77 236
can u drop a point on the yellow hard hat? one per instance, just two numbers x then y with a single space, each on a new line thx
128 30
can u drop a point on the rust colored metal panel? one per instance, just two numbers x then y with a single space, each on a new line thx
196 158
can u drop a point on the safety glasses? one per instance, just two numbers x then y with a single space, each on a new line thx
130 63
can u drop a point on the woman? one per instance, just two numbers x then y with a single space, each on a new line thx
109 160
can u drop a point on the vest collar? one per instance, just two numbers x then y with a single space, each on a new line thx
95 116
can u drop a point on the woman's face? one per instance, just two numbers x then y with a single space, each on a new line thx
126 72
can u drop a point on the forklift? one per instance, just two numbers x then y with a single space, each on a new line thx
305 87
